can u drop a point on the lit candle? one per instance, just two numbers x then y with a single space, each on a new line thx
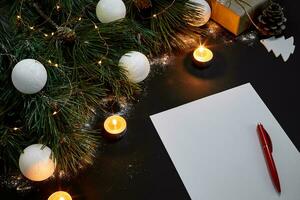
60 195
115 127
202 56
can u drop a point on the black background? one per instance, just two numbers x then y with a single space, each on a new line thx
138 166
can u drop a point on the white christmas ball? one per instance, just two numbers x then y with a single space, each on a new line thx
136 64
110 10
35 162
203 6
29 76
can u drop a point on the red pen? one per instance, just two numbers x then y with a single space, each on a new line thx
267 148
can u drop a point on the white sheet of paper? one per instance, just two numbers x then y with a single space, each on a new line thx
215 148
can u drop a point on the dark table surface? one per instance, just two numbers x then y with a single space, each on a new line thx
138 166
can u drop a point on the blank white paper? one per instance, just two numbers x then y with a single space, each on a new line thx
215 148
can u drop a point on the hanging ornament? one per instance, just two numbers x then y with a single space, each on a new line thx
203 10
272 20
35 162
110 10
143 4
137 66
29 76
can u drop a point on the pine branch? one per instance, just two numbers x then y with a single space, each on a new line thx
81 57
48 19
168 19
76 82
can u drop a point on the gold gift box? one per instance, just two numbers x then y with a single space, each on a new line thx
232 14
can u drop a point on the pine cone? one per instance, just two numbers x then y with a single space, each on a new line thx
272 20
66 34
143 4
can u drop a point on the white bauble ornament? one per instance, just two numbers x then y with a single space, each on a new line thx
136 64
203 6
35 162
29 76
110 10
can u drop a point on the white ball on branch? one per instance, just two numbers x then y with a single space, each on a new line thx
110 10
203 7
36 162
137 66
29 76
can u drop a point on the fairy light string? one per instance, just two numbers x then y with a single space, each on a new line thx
50 62
155 15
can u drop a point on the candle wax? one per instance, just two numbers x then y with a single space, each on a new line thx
60 195
203 54
115 124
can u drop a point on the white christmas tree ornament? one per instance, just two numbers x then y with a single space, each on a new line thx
280 46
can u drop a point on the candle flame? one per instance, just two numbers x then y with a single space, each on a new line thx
115 122
201 48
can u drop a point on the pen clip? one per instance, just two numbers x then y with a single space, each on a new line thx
268 138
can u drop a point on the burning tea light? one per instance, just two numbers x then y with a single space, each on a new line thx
60 195
115 126
202 56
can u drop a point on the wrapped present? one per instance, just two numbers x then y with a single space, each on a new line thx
234 15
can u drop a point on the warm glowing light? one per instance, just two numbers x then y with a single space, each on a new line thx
18 17
15 128
57 7
60 195
49 61
114 121
115 124
201 49
154 15
52 33
96 27
55 65
99 62
46 35
31 28
79 19
202 54
54 113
